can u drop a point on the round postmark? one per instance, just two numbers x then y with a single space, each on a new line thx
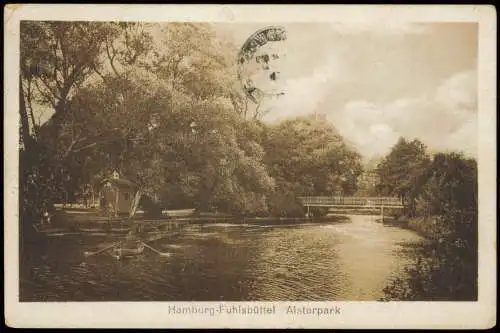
259 63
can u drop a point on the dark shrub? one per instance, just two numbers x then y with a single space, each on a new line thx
318 211
150 208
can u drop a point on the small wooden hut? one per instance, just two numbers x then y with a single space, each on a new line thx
118 195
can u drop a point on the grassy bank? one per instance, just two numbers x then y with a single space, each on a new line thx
92 220
362 211
444 264
298 220
427 227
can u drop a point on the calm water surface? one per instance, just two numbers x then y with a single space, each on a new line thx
351 260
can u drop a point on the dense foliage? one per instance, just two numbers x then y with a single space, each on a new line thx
442 192
400 171
161 104
308 157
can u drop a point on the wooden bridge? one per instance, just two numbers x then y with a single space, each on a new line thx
353 202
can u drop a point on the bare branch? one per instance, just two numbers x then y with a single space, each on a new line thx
94 67
111 57
70 147
246 107
256 114
93 144
79 139
56 69
48 97
29 98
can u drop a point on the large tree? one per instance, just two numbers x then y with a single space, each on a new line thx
57 57
400 171
308 157
178 132
59 62
448 183
200 131
312 155
446 206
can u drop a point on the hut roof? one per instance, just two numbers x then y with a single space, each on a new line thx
121 183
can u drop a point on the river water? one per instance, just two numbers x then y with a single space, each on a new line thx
337 261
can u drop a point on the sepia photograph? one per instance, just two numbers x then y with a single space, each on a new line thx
247 161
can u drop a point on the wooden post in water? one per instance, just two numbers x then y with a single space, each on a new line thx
117 197
382 212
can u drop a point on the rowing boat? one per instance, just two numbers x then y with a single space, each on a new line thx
120 252
62 234
46 228
120 229
92 229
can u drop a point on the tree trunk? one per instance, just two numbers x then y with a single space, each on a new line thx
33 122
135 203
25 127
205 196
28 102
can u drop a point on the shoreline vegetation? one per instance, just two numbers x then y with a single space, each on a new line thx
440 195
81 221
75 216
419 225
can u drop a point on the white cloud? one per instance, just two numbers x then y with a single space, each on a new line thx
363 124
445 120
465 138
458 94
303 94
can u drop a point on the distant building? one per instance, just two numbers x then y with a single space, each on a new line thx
370 177
318 116
367 182
117 194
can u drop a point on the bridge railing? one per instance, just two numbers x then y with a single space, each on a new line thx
352 201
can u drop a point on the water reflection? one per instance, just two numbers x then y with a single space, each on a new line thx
338 261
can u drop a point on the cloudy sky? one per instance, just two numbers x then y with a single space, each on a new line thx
375 82
379 82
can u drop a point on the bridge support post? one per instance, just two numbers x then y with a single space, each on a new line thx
307 214
382 213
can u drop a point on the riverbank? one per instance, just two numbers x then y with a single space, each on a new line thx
298 220
93 214
425 227
92 222
360 211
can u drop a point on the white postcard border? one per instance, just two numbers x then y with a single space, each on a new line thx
479 314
